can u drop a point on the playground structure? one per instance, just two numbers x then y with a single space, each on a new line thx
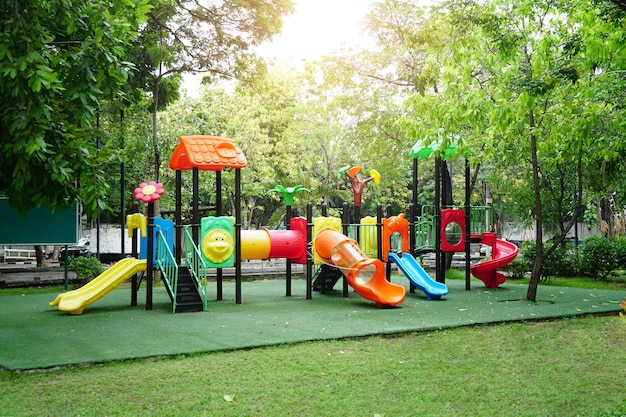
453 229
328 243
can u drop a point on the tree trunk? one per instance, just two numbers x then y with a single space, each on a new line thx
607 215
155 134
535 275
531 294
542 253
40 256
55 253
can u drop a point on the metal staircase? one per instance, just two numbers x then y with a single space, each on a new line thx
325 278
185 297
185 284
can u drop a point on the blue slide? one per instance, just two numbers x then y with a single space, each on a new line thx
419 278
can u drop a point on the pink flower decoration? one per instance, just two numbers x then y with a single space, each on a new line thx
149 192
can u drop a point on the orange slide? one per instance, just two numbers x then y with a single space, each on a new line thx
365 275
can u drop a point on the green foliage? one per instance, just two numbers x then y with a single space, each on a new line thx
599 257
619 249
86 268
528 253
560 263
58 60
516 269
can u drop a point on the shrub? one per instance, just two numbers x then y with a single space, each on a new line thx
619 249
598 257
561 262
516 269
528 252
86 268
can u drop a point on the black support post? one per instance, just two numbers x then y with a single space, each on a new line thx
218 212
439 259
468 225
346 230
309 251
150 256
238 236
288 216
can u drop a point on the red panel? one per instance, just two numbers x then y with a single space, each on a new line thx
448 216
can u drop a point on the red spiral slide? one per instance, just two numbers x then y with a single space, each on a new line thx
502 253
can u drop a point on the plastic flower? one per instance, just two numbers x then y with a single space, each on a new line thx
149 192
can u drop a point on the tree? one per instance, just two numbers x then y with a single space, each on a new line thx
255 117
58 60
517 81
192 36
620 3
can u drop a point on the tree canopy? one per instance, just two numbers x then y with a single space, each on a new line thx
63 63
58 59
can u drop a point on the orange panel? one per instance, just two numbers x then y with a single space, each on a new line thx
207 153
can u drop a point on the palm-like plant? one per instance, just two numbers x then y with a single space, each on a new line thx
288 193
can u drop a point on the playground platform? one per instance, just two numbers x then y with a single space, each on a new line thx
34 335
28 275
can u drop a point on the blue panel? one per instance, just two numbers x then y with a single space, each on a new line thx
167 227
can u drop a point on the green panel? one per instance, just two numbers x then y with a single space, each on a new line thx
39 226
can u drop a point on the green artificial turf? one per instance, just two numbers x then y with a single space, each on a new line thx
34 335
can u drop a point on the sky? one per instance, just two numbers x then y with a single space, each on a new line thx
318 27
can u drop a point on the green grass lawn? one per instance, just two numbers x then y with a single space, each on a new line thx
569 367
564 367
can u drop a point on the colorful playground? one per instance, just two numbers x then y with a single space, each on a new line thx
361 277
359 252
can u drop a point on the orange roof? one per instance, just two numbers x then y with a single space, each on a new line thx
207 153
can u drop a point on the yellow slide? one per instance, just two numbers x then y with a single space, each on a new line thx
75 301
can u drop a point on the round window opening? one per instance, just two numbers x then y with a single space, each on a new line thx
453 233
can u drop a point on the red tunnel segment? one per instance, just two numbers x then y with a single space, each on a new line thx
290 244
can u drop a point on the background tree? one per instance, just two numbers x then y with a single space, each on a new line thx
517 82
255 116
212 38
58 60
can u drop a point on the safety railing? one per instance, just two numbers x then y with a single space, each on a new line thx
166 263
366 236
425 234
481 220
196 265
12 254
